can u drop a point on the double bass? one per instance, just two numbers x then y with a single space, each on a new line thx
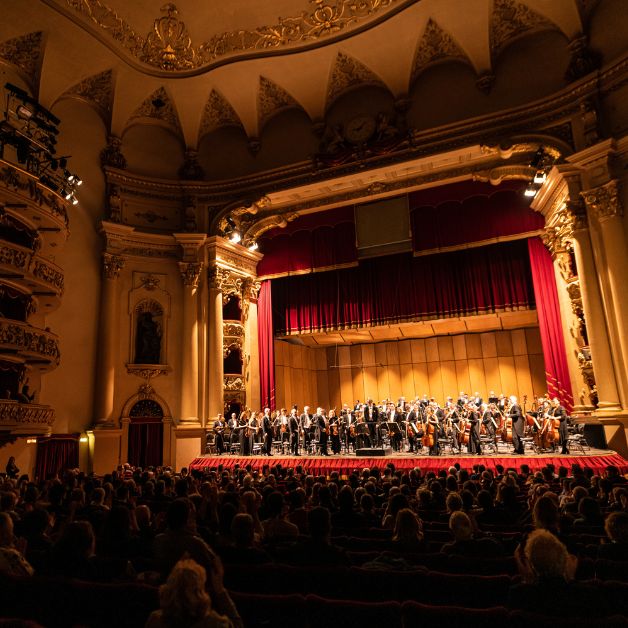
429 435
507 424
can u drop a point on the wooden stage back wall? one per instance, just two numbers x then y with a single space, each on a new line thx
509 362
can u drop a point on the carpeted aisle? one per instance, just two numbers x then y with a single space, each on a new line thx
320 465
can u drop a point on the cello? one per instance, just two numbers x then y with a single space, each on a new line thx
507 426
429 430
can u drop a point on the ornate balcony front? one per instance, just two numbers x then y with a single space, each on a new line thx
22 419
30 344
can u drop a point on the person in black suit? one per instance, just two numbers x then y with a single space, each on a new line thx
268 429
477 400
474 435
559 412
293 426
371 414
518 425
219 429
320 421
306 424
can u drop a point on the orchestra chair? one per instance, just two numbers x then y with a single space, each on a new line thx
210 444
576 438
488 444
234 448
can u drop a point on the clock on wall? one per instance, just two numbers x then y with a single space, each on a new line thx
360 129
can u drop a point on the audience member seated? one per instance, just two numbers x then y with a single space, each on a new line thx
408 535
243 550
184 602
73 554
276 527
464 544
546 569
12 561
617 531
318 549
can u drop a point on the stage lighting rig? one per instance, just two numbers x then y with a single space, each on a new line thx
31 130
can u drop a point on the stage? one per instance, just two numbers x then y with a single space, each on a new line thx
596 459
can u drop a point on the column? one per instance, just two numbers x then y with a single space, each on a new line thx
108 339
190 273
604 205
608 397
215 365
251 343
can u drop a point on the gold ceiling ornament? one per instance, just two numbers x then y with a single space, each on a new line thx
346 73
168 45
509 20
97 91
218 113
25 53
158 106
271 99
435 45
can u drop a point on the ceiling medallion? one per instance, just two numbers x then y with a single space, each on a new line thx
168 45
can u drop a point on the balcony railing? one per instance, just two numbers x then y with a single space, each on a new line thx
21 260
32 343
16 416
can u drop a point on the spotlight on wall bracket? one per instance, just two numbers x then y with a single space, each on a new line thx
539 177
253 246
531 190
235 237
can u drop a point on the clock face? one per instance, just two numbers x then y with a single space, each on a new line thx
360 129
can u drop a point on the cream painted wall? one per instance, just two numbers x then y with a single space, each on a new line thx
70 388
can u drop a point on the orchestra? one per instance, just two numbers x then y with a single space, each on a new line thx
420 426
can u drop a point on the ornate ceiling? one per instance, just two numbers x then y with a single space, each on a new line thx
196 67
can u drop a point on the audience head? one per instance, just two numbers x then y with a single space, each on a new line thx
319 523
460 526
183 599
546 555
243 530
408 526
617 527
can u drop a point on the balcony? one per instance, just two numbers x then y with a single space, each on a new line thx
39 274
25 418
33 345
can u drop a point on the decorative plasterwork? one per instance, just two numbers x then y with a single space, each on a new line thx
234 383
271 99
346 73
147 371
190 273
217 113
15 416
112 265
111 155
97 91
168 47
228 282
232 337
509 20
25 53
158 106
435 45
603 202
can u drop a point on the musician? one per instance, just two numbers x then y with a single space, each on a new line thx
453 418
371 414
491 420
219 429
473 416
501 404
517 425
492 397
306 425
431 424
396 416
268 428
243 435
462 399
253 429
349 422
559 412
334 431
294 427
412 430
319 421
233 428
477 400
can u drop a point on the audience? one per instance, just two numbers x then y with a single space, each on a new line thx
156 526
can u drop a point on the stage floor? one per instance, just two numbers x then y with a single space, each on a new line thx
596 459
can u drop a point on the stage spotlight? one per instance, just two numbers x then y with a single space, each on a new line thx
68 195
74 200
530 191
540 177
78 180
235 237
253 246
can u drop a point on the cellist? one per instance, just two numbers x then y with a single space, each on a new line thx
473 417
559 412
430 438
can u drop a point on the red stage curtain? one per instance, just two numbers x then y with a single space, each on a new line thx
401 288
309 243
56 453
548 309
146 442
469 212
266 345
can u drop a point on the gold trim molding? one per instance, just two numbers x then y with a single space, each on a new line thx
168 47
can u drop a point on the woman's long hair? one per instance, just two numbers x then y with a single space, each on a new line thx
183 598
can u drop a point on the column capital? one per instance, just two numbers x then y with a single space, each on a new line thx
190 273
603 202
250 289
112 265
